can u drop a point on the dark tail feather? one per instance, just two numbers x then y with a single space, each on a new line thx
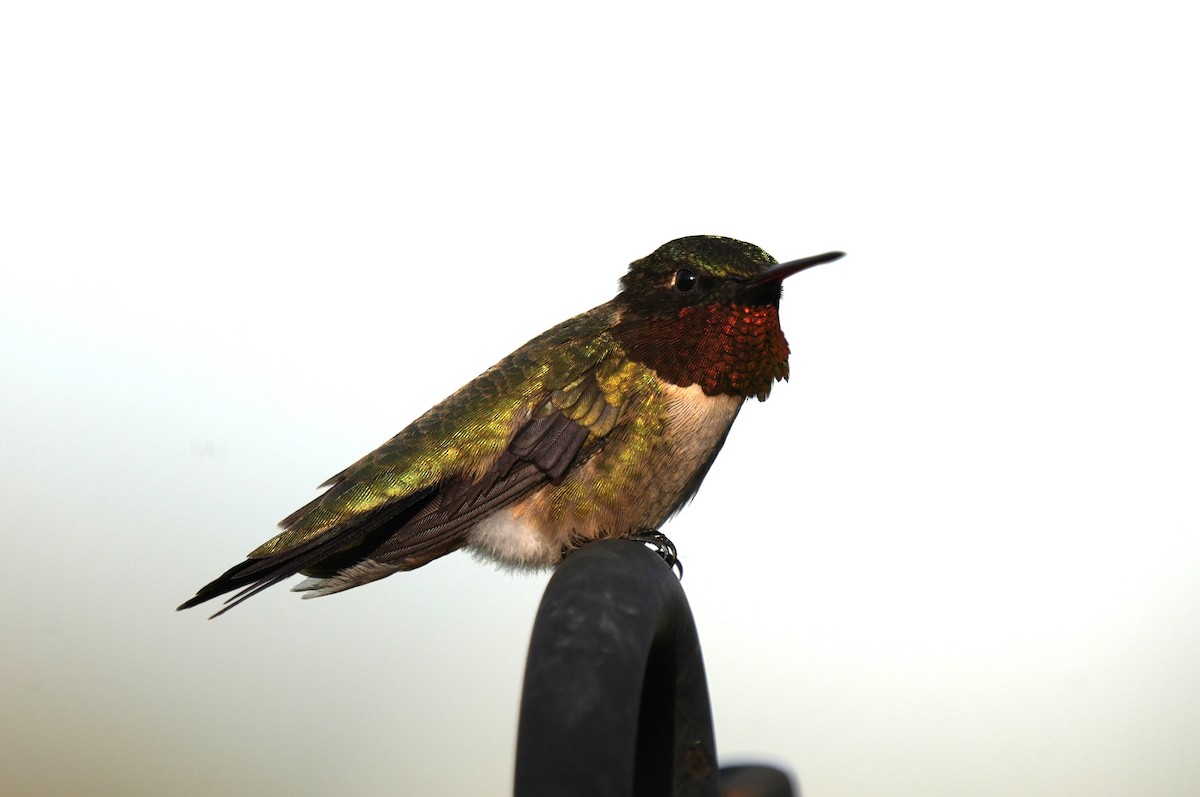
338 547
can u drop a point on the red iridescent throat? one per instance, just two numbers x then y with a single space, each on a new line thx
726 349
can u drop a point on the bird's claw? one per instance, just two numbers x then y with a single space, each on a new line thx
662 545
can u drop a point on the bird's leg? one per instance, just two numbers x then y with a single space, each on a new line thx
662 546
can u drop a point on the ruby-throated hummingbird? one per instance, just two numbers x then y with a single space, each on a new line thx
603 426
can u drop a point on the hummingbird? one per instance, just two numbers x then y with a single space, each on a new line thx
601 427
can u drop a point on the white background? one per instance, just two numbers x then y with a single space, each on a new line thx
243 243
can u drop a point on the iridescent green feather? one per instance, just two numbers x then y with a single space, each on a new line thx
465 433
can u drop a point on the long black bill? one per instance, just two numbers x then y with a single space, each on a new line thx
784 270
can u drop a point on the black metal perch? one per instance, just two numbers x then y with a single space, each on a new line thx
615 702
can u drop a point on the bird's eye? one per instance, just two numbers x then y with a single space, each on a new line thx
685 280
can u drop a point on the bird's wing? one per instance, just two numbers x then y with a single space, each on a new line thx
562 431
413 499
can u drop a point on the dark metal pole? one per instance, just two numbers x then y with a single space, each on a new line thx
615 702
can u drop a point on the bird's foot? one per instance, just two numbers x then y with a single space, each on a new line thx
662 545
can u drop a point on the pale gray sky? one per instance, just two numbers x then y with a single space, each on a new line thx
244 243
